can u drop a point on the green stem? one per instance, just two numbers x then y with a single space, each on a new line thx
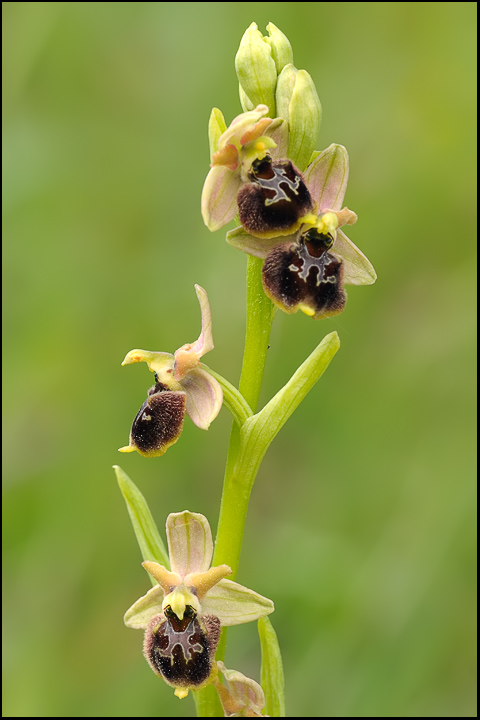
260 314
238 484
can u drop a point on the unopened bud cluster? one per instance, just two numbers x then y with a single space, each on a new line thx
267 76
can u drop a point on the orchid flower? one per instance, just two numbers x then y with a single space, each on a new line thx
183 614
307 269
248 138
181 386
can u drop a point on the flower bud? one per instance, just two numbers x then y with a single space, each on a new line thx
282 52
299 104
285 86
246 104
256 69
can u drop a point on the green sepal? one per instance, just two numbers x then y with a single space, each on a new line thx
260 430
271 677
144 527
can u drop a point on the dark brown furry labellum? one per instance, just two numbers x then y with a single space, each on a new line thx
159 422
305 276
182 651
275 199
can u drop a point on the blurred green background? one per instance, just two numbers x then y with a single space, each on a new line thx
361 525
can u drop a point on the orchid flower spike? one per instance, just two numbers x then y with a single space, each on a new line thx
183 614
307 269
181 386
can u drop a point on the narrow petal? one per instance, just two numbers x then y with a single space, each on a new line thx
256 131
327 178
357 269
203 582
204 397
166 579
258 247
235 604
346 217
139 615
189 542
219 197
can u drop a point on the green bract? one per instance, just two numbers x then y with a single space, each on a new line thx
272 669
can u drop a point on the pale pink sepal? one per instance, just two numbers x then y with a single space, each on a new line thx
235 604
258 247
189 542
227 156
219 196
188 356
204 397
326 178
357 269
